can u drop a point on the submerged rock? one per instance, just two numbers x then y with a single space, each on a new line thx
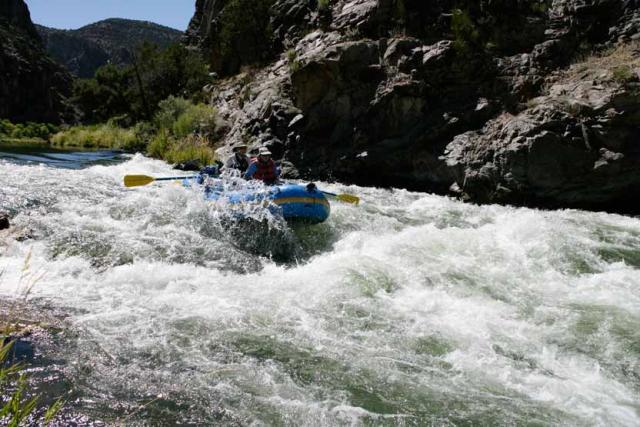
4 221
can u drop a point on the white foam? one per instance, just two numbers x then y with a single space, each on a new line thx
502 290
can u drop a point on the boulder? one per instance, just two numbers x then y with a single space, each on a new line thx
432 95
4 221
576 147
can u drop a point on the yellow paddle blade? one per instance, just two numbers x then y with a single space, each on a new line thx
348 198
137 180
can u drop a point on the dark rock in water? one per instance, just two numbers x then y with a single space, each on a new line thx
21 350
32 87
189 166
4 221
386 93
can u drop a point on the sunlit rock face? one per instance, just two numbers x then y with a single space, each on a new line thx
374 91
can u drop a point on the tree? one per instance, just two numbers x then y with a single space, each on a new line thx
132 93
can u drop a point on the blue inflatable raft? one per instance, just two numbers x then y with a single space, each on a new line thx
294 202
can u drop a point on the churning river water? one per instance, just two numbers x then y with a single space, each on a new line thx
411 309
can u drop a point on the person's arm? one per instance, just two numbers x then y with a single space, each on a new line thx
253 167
229 163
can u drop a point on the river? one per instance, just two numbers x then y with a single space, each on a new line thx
411 309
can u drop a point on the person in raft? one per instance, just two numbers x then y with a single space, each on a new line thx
263 168
239 161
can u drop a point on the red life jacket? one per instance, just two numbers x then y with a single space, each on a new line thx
266 171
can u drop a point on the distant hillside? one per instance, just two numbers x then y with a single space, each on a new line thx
86 49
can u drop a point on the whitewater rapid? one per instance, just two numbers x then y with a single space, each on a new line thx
410 309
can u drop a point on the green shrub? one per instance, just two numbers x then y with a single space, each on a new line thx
27 130
169 110
464 30
623 73
160 144
197 119
193 147
117 91
6 127
324 5
324 14
292 59
181 117
107 95
539 7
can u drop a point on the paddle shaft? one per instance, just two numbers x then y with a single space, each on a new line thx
175 178
330 194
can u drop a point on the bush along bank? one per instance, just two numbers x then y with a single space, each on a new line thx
153 106
26 132
180 131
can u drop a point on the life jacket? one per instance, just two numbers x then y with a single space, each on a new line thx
266 171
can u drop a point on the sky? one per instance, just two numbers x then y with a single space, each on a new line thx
72 14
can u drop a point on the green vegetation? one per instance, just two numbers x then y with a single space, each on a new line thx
540 7
183 118
623 73
153 106
464 31
16 407
194 147
29 130
99 136
183 132
292 59
133 93
324 5
324 14
180 131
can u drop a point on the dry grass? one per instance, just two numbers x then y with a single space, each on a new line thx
105 136
619 64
